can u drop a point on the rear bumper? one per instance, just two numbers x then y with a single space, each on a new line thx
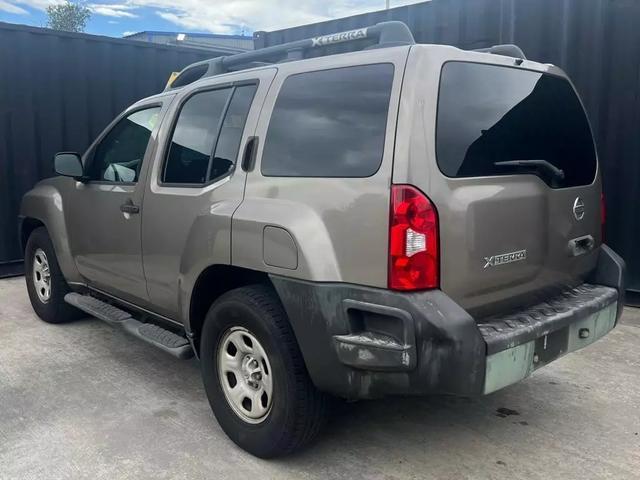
361 342
522 342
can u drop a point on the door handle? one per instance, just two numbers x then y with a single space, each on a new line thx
249 157
129 208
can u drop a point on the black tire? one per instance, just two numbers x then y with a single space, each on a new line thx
298 410
55 309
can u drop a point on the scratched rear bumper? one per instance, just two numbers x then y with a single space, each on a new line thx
361 342
513 364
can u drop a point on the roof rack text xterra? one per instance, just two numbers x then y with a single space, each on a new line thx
384 34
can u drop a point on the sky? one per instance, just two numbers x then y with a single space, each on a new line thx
121 17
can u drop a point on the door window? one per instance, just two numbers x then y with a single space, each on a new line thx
194 137
205 141
118 157
226 153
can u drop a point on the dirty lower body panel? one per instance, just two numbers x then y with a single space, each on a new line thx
508 366
515 328
361 342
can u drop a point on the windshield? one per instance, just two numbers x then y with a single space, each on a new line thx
495 120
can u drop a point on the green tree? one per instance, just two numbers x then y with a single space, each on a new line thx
69 16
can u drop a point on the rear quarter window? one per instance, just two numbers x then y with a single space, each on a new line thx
329 123
488 114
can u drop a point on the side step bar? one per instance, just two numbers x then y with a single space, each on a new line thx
155 335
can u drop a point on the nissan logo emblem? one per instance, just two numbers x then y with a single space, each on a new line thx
578 208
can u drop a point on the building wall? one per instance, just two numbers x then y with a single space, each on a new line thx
164 38
57 92
597 42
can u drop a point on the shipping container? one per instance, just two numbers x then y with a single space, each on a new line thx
597 42
229 43
58 91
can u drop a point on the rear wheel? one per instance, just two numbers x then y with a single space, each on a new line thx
254 374
45 284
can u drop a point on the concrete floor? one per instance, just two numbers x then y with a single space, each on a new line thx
83 400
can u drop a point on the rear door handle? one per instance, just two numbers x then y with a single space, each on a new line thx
129 208
250 152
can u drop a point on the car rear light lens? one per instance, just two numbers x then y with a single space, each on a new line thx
603 216
413 240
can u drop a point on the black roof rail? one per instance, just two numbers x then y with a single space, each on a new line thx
387 34
507 49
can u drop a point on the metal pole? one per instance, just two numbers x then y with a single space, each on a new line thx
387 3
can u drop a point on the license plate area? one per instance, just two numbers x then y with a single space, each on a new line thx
551 346
513 364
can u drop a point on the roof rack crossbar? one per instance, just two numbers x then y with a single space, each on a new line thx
386 34
507 49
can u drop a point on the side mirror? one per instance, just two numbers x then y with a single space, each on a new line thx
68 164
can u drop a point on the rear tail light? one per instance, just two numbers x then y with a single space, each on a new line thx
603 216
414 262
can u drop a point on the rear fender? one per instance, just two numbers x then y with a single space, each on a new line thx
283 237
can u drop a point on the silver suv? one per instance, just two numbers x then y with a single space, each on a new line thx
403 219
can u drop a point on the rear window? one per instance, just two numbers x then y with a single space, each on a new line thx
495 120
329 123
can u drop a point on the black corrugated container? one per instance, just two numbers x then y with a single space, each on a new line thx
57 92
597 42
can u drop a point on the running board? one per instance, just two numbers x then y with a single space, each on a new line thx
153 334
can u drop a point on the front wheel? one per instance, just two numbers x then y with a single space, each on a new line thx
45 283
254 374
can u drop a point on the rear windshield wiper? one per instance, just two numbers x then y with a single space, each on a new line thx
556 173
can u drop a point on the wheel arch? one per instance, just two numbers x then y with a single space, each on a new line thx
44 206
27 226
212 282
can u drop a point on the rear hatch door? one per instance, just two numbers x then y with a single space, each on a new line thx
517 193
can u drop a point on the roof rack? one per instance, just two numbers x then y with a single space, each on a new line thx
387 34
507 49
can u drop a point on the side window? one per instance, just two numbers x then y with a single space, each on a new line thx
194 137
118 157
206 138
329 123
228 143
